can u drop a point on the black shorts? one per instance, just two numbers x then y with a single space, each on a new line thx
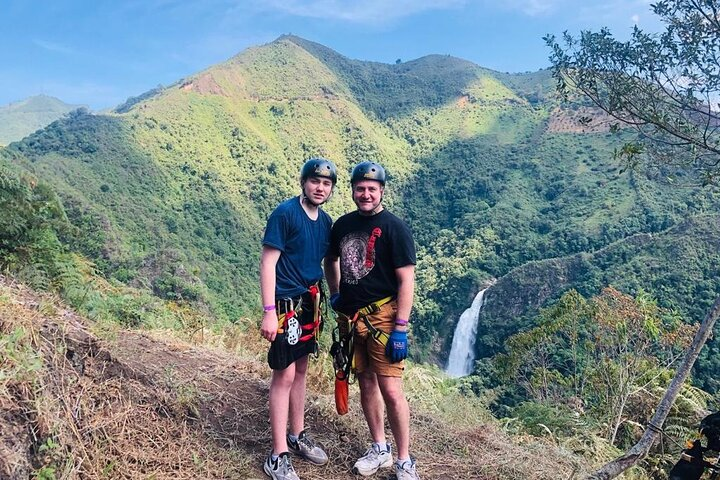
288 346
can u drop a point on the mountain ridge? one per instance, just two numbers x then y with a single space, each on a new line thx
21 118
183 180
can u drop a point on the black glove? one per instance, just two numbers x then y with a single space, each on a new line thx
335 300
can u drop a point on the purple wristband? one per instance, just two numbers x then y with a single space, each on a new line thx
401 321
269 308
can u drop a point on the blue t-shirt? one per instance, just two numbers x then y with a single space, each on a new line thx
303 243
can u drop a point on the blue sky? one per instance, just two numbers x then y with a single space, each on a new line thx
99 52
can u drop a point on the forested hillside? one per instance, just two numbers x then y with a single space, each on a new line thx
170 192
679 265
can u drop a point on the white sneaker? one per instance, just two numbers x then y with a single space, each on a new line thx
373 460
406 471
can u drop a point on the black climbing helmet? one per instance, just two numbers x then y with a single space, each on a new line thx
368 171
320 168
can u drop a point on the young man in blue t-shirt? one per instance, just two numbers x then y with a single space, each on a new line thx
296 239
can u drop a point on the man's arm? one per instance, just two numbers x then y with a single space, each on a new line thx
268 261
332 273
406 288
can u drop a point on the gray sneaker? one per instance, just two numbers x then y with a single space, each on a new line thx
280 469
306 447
406 471
373 460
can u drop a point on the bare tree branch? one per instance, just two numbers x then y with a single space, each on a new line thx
651 434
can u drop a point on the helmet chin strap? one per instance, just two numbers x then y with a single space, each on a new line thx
377 209
305 199
374 211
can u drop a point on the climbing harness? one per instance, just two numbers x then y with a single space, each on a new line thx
291 334
289 311
343 349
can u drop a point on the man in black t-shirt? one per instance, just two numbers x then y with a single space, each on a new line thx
370 269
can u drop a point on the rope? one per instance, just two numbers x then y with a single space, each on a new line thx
654 428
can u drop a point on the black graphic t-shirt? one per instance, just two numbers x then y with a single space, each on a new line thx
370 249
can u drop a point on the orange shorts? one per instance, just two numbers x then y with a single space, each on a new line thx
370 353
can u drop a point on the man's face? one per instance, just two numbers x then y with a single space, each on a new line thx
317 189
367 195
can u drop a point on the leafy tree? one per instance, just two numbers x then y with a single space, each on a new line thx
666 85
630 347
31 219
600 357
27 207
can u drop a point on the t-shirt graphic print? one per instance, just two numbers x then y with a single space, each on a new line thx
370 249
358 255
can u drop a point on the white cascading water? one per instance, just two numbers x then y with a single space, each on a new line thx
462 353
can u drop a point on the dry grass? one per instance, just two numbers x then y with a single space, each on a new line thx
151 405
581 120
69 411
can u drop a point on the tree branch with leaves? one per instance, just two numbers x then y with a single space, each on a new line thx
666 86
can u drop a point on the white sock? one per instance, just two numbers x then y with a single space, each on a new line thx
400 461
293 438
381 446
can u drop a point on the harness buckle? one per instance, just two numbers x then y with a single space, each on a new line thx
285 305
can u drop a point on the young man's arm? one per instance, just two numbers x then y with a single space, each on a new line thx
332 273
406 287
268 261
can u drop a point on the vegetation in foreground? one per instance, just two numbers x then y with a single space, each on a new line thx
75 406
168 197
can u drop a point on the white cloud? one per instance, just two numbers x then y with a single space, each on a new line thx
54 47
612 10
368 11
618 15
533 7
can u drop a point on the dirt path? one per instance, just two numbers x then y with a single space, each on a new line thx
139 405
230 404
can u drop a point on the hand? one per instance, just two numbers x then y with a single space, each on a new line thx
396 348
335 300
268 329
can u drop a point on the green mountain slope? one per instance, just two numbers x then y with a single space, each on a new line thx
679 264
172 193
19 119
386 91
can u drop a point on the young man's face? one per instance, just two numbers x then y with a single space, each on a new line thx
317 189
367 195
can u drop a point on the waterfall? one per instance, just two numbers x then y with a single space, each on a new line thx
462 353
